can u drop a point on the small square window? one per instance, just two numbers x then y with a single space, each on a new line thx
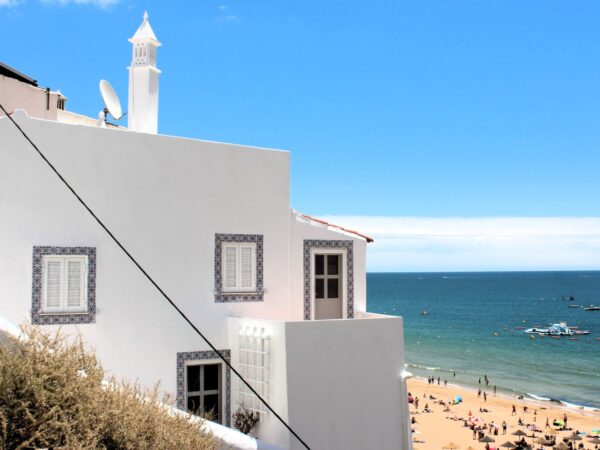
64 285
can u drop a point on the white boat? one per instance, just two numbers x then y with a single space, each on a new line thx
536 330
592 308
557 329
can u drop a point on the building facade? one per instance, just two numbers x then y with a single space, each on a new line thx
282 295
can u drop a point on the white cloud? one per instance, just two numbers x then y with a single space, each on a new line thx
223 7
104 4
472 244
8 3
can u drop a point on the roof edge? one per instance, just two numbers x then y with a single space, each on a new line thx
332 225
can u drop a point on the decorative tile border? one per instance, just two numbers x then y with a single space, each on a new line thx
183 357
310 244
222 297
40 318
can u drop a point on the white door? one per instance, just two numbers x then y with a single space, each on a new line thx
328 286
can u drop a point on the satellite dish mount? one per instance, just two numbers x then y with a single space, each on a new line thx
112 105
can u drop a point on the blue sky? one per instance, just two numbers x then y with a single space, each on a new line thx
423 108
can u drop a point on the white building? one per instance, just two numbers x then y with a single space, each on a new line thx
281 294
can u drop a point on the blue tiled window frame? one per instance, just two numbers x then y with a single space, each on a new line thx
38 317
184 357
310 244
231 297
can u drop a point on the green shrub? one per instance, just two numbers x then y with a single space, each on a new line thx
52 396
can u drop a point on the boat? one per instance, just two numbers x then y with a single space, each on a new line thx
555 330
574 306
581 332
424 312
592 308
537 330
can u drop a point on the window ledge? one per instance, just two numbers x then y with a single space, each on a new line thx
63 313
236 297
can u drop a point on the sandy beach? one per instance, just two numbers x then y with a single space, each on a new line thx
436 429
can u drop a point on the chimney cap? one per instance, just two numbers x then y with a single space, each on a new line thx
145 32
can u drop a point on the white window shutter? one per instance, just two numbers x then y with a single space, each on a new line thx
74 278
230 266
248 262
53 283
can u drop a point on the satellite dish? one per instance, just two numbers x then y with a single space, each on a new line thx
111 100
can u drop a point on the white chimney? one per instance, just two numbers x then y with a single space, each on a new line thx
143 80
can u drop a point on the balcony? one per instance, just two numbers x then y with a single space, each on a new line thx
338 382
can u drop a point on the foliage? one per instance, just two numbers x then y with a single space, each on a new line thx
52 395
244 420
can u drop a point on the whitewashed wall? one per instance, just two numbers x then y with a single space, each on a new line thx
165 198
16 94
344 387
269 428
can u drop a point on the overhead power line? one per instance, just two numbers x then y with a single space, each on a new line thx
154 283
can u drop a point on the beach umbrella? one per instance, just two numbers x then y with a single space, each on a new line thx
487 439
594 440
470 448
543 442
519 433
458 399
450 446
574 437
508 444
551 431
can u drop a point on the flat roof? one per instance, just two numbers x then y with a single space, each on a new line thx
10 72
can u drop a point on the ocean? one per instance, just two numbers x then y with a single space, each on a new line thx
471 329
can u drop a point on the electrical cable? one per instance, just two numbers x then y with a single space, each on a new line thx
181 313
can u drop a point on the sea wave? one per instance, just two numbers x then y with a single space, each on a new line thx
539 397
561 402
417 366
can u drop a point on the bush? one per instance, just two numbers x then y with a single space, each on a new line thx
244 420
52 396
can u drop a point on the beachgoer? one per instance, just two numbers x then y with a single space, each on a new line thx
520 422
479 380
565 421
484 397
416 402
524 408
504 426
494 389
454 374
514 410
445 382
438 381
547 423
534 415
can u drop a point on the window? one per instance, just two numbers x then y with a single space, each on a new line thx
253 364
327 276
64 283
203 390
239 268
204 384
